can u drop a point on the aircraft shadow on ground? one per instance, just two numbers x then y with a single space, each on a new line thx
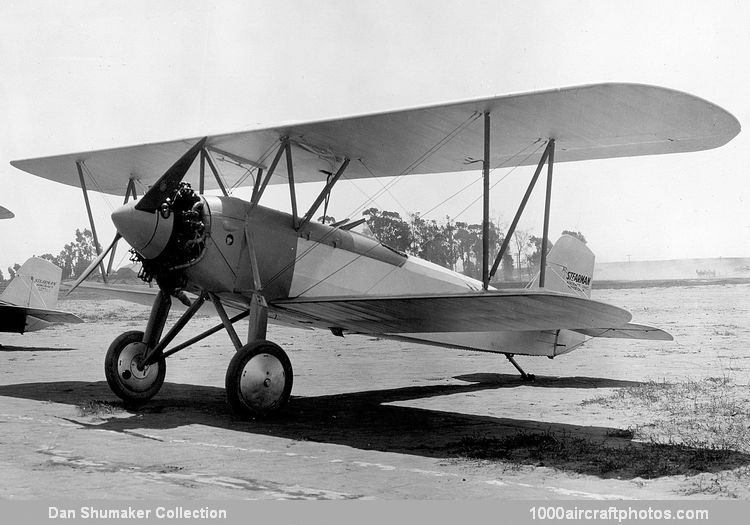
366 420
8 348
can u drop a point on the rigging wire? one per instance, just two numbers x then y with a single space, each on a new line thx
422 158
539 145
428 241
383 186
470 184
249 171
98 186
501 179
321 281
386 187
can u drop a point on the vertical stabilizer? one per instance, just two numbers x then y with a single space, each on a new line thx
570 267
36 285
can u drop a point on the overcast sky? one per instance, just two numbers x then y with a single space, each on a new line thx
82 75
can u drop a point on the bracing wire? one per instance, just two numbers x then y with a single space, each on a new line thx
422 216
431 151
470 184
384 187
501 179
250 171
97 185
539 144
427 154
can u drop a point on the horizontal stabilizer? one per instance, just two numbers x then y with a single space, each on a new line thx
629 331
20 319
473 312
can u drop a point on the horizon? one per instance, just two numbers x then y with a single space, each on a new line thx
80 76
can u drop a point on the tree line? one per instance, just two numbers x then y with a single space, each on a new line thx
458 245
73 259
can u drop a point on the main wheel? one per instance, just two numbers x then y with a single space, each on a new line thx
259 379
121 368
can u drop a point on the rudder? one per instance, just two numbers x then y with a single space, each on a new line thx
570 267
36 285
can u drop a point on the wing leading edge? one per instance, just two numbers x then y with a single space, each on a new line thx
587 122
476 312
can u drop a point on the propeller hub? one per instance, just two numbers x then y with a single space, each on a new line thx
148 232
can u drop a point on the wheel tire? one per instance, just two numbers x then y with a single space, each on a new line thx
120 367
259 379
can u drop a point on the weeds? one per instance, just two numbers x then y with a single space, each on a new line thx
713 413
731 484
694 428
98 408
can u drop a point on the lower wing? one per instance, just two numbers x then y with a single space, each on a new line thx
465 312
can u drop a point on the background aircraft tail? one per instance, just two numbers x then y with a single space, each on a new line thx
570 267
36 285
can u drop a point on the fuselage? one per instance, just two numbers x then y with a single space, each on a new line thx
318 260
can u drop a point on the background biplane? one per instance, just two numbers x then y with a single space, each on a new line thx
283 267
29 301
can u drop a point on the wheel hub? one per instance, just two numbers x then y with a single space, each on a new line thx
262 381
129 368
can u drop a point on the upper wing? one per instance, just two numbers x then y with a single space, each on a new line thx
587 122
464 312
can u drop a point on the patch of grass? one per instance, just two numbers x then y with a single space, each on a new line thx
730 484
712 413
96 408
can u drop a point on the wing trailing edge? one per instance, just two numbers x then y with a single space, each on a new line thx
515 310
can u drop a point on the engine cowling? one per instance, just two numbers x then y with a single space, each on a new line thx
166 241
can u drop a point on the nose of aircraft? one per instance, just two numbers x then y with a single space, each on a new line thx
148 232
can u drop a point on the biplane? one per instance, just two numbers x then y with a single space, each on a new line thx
278 267
29 302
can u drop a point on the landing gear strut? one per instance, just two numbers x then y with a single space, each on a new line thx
524 375
259 376
130 372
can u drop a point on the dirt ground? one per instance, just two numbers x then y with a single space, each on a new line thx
377 419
